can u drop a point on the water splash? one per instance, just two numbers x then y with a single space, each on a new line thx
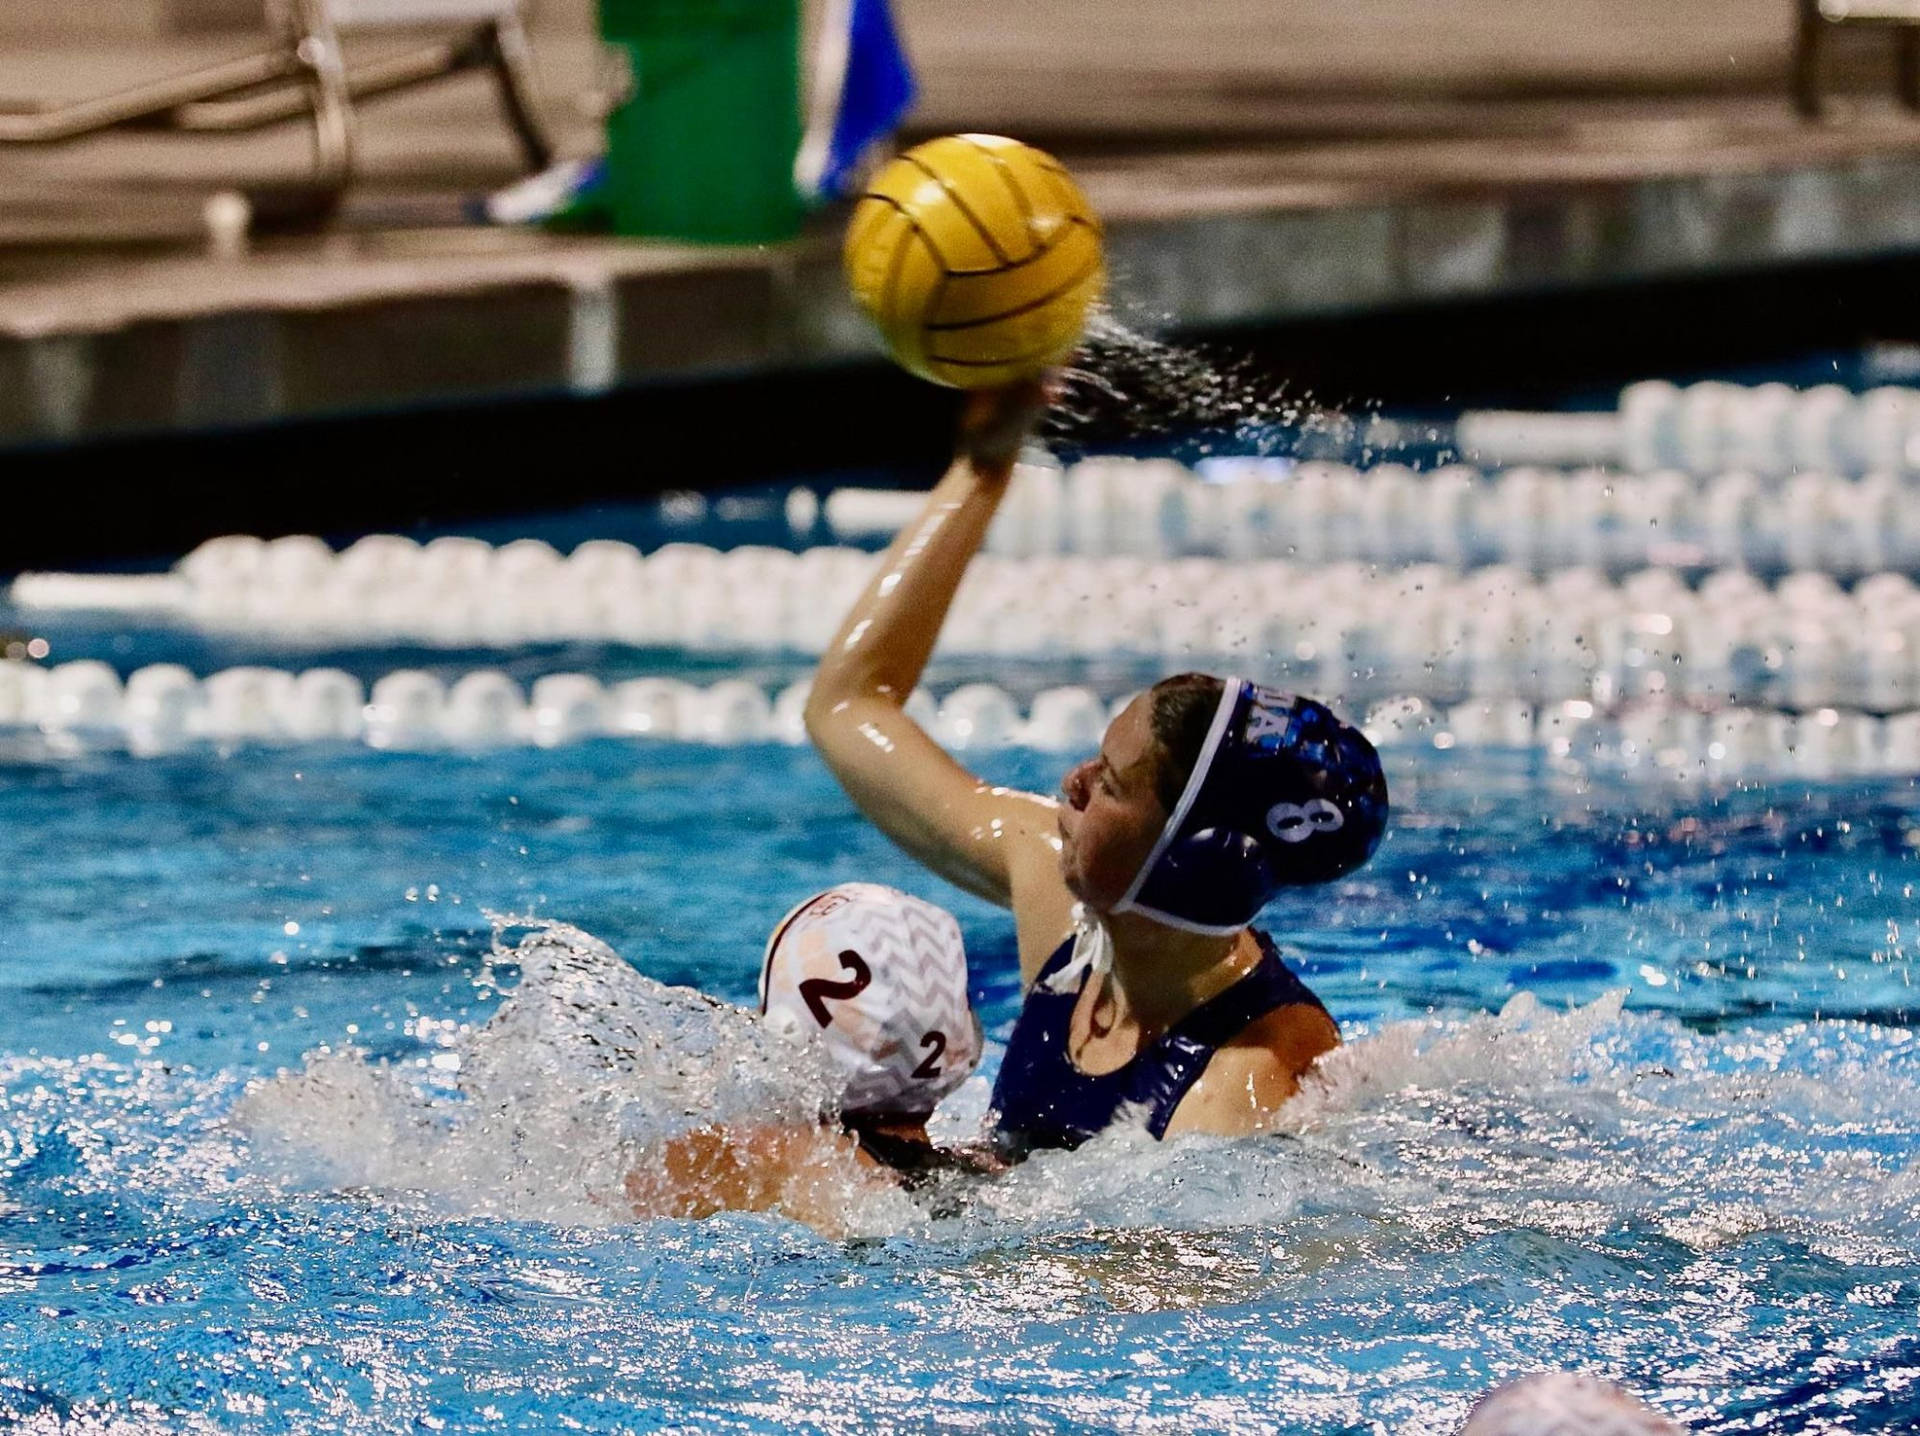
1728 1219
1575 1122
587 1073
1566 1123
1124 385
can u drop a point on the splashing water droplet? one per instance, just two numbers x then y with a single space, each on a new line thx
1125 385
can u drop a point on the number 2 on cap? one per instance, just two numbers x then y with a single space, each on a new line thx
816 990
930 1068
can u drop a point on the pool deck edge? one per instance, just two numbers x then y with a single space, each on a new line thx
349 323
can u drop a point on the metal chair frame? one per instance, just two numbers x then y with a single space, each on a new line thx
1815 16
304 75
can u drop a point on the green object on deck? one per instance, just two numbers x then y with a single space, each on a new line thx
703 147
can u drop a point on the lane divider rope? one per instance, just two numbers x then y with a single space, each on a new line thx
1769 430
164 709
1803 642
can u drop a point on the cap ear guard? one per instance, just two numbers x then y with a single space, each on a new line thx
1230 868
773 942
1282 793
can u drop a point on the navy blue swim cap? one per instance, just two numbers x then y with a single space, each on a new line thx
1282 794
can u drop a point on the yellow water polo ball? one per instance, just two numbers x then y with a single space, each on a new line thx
978 258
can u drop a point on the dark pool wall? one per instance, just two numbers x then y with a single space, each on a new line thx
153 496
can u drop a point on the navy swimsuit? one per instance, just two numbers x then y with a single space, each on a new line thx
1042 1100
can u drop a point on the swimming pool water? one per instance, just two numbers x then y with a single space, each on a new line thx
1705 1187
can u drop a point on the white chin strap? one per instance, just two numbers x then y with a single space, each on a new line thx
1092 953
1196 780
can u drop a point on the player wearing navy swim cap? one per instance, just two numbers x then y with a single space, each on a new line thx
1147 993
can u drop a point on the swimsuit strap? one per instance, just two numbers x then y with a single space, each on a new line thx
1262 988
1055 964
1041 1099
1186 1048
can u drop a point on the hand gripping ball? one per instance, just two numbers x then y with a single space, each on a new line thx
978 257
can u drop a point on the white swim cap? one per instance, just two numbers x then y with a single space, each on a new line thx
1561 1403
882 978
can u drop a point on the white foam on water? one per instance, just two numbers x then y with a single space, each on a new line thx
103 1124
1574 1122
584 1073
95 1417
1577 1123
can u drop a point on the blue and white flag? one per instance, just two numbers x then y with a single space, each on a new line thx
862 89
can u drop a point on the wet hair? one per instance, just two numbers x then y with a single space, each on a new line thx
1182 709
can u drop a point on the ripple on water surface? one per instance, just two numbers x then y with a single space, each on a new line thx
1708 1192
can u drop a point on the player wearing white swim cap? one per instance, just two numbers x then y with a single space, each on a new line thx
880 978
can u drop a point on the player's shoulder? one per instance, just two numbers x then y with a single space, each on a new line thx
1030 828
1251 1077
1042 905
1290 1038
1241 1089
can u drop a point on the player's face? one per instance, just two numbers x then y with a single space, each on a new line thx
1110 815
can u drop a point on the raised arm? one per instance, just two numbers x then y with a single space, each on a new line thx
972 834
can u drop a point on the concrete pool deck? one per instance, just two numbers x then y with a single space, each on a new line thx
1239 187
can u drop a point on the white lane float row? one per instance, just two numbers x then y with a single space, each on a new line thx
1804 642
1534 518
164 708
463 592
1769 430
1661 737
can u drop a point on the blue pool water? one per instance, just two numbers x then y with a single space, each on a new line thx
1629 1086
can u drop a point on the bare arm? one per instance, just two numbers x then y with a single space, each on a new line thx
812 1174
975 835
